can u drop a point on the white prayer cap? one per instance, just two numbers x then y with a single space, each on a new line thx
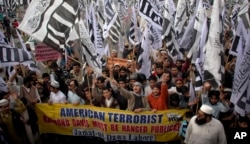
55 84
163 51
207 109
138 84
4 102
227 90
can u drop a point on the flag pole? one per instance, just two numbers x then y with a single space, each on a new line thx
165 48
90 67
133 57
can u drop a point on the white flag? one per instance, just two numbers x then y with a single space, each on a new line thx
144 57
50 21
181 16
241 85
88 49
214 51
95 32
148 11
111 17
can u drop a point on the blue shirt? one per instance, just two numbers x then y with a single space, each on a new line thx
74 98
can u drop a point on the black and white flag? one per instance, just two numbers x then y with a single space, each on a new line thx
241 85
115 31
181 16
11 4
240 39
156 34
89 50
122 9
25 2
95 32
51 21
111 18
144 57
168 33
134 32
199 19
244 13
13 56
168 20
214 51
148 11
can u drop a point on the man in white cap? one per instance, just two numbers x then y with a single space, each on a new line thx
56 96
204 129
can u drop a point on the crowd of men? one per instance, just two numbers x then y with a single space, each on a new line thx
173 84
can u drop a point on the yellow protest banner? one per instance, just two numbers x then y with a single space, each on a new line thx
109 124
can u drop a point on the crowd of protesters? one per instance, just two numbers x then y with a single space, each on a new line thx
173 84
118 87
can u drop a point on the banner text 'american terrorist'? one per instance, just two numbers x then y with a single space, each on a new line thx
83 120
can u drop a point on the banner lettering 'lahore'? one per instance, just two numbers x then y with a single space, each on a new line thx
109 124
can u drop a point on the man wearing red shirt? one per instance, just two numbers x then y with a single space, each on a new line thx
158 98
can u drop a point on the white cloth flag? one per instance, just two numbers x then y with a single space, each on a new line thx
122 9
240 39
181 16
144 58
13 56
134 36
198 24
50 21
241 86
115 31
148 11
88 49
168 20
200 58
111 17
243 13
95 32
23 44
213 69
189 35
156 34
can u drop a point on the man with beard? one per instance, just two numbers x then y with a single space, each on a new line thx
178 86
204 129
